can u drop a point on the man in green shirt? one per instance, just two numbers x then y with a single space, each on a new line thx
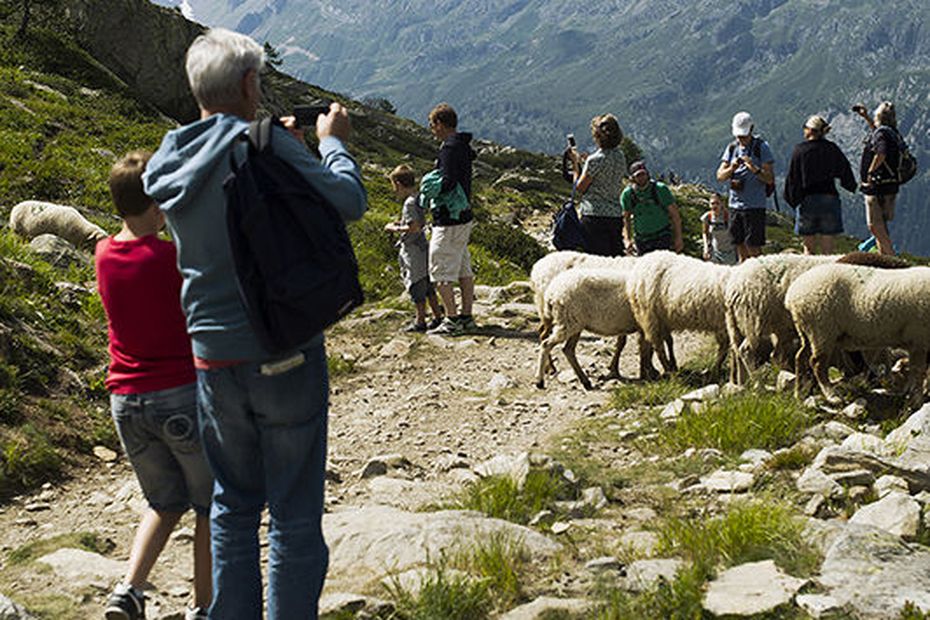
650 215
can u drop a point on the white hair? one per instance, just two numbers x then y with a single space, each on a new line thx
216 62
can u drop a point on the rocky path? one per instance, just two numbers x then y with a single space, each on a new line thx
436 403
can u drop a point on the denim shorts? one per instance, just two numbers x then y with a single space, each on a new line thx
159 432
819 214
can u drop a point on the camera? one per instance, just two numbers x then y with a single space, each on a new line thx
859 109
570 138
306 115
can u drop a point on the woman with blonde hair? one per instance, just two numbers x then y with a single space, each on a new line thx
810 188
599 179
878 171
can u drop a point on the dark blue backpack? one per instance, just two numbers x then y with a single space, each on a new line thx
296 270
567 233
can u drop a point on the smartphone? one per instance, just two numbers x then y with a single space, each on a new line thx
570 137
306 115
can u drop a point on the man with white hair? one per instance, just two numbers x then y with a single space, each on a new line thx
747 163
263 418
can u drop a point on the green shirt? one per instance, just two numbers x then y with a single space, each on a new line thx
650 220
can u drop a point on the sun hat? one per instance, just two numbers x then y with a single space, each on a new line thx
637 166
818 124
742 124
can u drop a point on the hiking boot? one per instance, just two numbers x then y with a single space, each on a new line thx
434 323
448 327
467 322
195 613
415 327
125 603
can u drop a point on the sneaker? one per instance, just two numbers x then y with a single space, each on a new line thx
433 324
195 613
416 327
467 322
448 327
125 603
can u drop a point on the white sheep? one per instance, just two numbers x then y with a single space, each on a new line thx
671 292
588 299
851 307
555 263
755 309
32 218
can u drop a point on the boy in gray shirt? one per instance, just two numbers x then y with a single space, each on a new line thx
413 249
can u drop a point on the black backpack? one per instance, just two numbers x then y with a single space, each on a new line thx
567 233
295 267
907 163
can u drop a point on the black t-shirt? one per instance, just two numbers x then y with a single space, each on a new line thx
882 140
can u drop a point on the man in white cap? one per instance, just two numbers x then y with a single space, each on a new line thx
747 163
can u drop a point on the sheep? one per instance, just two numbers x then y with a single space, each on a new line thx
588 299
755 309
551 265
670 292
851 307
32 218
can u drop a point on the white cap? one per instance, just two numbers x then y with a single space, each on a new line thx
742 124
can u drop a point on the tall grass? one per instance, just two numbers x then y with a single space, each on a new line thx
736 423
500 561
500 496
442 594
649 393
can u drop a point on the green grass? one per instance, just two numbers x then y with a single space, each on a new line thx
747 532
649 393
442 595
736 423
501 563
797 457
88 541
26 457
500 497
912 612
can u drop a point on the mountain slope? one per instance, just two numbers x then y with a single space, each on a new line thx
525 73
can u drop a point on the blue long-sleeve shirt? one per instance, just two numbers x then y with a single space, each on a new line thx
185 176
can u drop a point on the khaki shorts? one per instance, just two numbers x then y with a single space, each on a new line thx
449 258
879 208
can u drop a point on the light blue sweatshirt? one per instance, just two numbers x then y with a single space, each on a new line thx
185 176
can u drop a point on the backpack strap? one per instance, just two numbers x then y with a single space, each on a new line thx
260 134
655 193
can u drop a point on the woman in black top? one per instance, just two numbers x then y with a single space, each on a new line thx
878 171
811 190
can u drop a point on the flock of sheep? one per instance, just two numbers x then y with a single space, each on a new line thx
792 307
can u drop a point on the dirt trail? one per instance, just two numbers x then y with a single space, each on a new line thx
430 399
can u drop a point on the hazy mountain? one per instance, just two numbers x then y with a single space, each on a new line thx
526 72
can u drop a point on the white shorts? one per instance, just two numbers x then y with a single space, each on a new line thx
449 258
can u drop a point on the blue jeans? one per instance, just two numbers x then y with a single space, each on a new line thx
265 439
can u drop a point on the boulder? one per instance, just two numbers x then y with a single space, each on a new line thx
78 567
875 573
835 459
56 251
864 442
545 607
910 442
815 481
896 513
9 610
642 575
748 589
368 543
887 484
516 466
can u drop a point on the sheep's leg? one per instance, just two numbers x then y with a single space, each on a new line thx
646 369
545 330
785 348
670 347
657 341
569 349
723 344
545 355
614 368
820 363
802 369
917 377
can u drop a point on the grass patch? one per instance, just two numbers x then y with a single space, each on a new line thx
499 561
339 365
649 393
748 532
501 498
26 459
796 457
442 595
677 600
87 541
736 423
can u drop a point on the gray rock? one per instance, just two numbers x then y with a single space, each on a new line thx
813 480
641 543
516 466
368 543
9 610
816 506
856 477
545 606
874 573
785 381
499 381
855 410
818 605
603 564
560 527
823 533
708 392
910 442
723 481
673 410
342 604
382 464
834 459
864 442
56 251
642 575
896 513
397 347
753 588
837 431
755 457
80 568
887 484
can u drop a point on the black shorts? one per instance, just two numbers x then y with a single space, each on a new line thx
603 235
663 242
747 226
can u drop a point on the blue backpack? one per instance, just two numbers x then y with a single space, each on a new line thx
567 233
295 267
